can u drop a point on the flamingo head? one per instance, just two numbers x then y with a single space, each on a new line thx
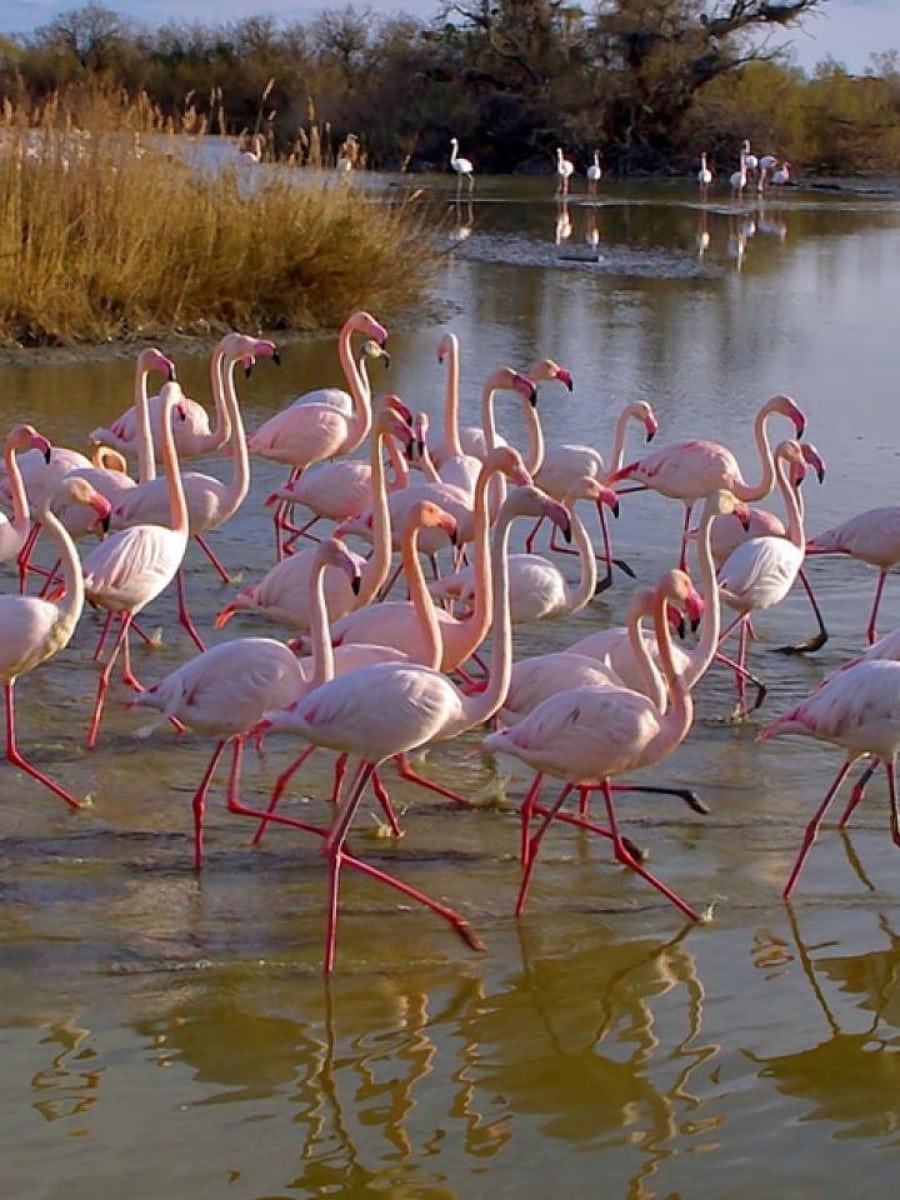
78 490
334 553
371 349
427 515
448 344
589 488
645 414
548 369
678 589
363 322
421 425
508 460
26 437
813 459
151 359
788 408
530 501
791 453
723 503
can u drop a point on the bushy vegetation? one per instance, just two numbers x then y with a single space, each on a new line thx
649 82
106 235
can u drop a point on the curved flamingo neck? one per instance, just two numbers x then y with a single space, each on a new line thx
399 465
221 430
469 632
360 422
581 593
617 456
749 492
536 445
378 564
69 610
654 686
320 641
423 605
452 444
793 506
676 721
19 497
178 511
702 654
236 492
145 455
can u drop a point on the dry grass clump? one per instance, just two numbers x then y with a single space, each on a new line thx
102 237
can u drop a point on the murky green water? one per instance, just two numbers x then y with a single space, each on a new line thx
164 1034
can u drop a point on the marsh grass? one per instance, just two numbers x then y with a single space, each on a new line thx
106 235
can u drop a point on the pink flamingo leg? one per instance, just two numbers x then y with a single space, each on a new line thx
740 677
14 756
623 856
895 810
529 541
104 634
103 684
818 640
299 531
858 792
871 633
183 615
812 828
384 801
22 561
590 827
682 561
406 771
334 844
533 845
525 814
280 784
50 580
213 558
198 804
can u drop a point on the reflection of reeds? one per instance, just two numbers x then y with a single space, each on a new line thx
106 234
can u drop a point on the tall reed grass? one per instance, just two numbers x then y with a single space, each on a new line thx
105 236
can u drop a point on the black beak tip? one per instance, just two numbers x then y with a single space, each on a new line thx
355 585
651 435
746 526
801 429
567 533
387 362
821 475
615 511
570 385
171 375
695 624
248 371
680 628
276 359
48 453
104 523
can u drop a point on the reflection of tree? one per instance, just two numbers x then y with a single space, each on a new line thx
851 1078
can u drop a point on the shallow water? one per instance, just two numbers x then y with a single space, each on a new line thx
168 1033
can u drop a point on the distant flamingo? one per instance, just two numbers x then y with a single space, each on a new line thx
32 630
392 708
687 471
761 571
282 595
782 175
565 169
225 690
14 533
538 589
871 537
462 166
594 174
738 179
132 567
767 164
210 501
751 162
704 178
586 735
857 710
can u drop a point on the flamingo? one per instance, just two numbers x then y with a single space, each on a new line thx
33 630
210 501
254 152
462 166
594 174
14 533
738 179
564 464
855 709
393 623
761 571
704 178
225 690
782 175
133 566
871 537
282 594
751 162
687 471
565 169
391 708
586 735
767 164
538 589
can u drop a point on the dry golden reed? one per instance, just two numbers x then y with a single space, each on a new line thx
106 234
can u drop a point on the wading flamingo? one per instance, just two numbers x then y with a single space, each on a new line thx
738 179
565 169
14 533
594 174
782 175
210 501
871 537
392 708
586 735
857 710
462 166
32 630
687 471
704 178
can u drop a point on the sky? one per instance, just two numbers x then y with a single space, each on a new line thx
846 30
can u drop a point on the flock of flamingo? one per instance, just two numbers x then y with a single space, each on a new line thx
382 662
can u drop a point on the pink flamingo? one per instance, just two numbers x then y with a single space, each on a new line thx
210 501
871 537
594 174
562 465
14 533
282 595
224 691
538 589
565 169
392 708
33 630
585 735
761 571
132 567
687 471
857 710
782 175
704 178
394 623
302 434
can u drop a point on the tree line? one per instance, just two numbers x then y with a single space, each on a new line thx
650 83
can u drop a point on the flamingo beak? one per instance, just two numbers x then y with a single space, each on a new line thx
170 374
651 428
104 522
276 358
355 583
41 443
565 377
680 628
